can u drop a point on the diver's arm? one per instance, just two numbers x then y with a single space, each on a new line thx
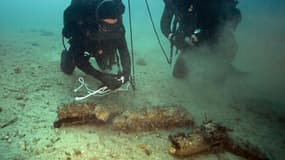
125 57
165 21
109 80
82 62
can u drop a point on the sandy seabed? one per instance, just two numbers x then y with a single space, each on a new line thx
33 86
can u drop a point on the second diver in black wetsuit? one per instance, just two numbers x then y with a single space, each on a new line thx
192 23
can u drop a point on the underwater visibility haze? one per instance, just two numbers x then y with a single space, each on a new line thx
37 98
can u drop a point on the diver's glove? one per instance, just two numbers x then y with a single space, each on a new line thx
199 36
112 81
180 40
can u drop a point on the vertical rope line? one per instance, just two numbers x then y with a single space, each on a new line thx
169 60
133 82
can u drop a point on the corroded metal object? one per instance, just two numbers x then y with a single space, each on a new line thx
81 113
128 120
153 118
211 137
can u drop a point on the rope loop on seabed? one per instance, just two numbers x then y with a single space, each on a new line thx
102 91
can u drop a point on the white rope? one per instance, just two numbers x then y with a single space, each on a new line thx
99 92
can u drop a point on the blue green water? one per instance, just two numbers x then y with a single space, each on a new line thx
261 37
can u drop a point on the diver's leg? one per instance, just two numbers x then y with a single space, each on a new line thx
67 64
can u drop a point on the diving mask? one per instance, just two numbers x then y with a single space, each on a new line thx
108 27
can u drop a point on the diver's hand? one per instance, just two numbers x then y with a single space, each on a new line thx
111 81
178 40
176 37
193 40
199 36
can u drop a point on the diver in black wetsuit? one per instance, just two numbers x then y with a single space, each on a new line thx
95 29
189 24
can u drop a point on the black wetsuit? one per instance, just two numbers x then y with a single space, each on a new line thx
108 48
215 20
211 17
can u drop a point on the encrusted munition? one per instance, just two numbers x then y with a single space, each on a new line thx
205 138
130 120
81 113
153 118
208 137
